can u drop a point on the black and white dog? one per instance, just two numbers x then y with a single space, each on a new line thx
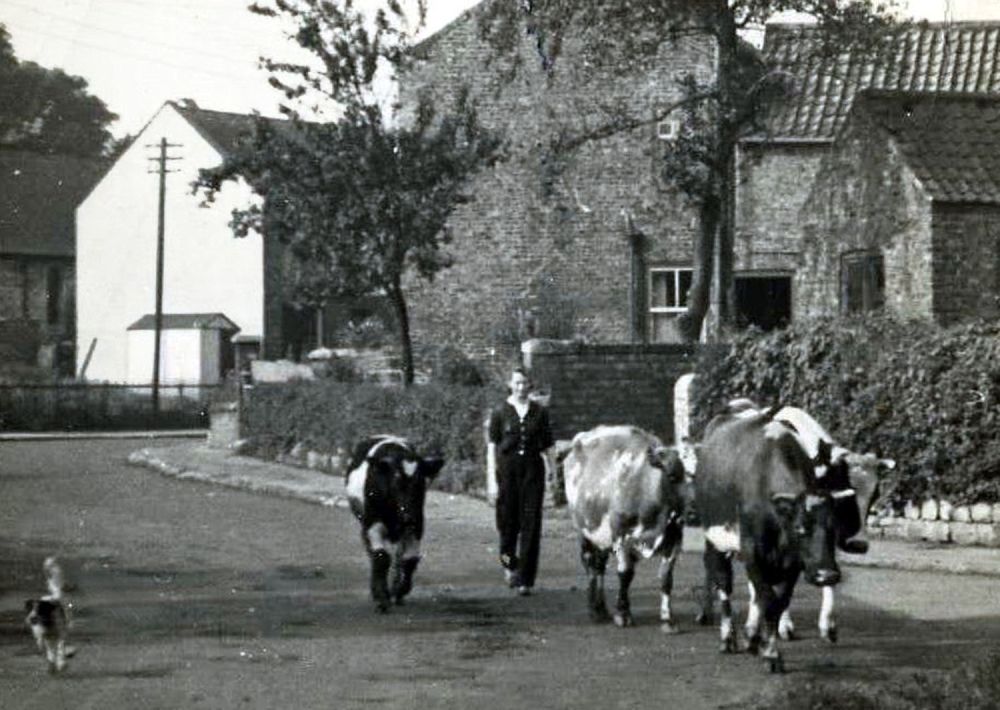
386 484
48 618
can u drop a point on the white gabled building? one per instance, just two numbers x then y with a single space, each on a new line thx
206 269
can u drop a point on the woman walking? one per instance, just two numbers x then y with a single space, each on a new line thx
519 448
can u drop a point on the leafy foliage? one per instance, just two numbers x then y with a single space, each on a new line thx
442 418
926 396
49 111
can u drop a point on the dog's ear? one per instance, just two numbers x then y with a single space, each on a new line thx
29 604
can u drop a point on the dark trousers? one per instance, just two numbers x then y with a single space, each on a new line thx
521 491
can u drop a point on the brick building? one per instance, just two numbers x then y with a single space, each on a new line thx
38 196
598 248
905 210
778 195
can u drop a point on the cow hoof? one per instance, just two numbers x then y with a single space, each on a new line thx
776 665
381 607
398 600
623 619
753 645
704 618
729 645
600 615
669 627
830 636
787 634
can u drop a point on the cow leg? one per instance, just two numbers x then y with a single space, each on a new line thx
719 582
667 562
786 626
827 621
626 572
751 630
595 561
376 540
407 559
773 601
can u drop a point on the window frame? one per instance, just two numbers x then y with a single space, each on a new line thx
871 262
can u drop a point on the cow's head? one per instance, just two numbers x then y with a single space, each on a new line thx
675 488
863 477
808 521
406 477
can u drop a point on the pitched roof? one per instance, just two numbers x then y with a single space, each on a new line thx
38 199
950 141
224 131
177 321
952 57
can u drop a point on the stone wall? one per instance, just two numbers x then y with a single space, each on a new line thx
609 384
966 273
543 249
865 198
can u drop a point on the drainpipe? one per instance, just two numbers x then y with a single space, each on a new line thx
637 281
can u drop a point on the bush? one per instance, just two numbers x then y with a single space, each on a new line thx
926 396
453 367
326 415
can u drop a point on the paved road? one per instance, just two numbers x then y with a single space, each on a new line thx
189 595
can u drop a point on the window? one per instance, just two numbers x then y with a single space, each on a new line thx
53 294
668 298
667 130
862 282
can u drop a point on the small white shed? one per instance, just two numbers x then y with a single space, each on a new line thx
195 348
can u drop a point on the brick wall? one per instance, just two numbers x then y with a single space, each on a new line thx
609 384
966 272
865 198
543 255
773 185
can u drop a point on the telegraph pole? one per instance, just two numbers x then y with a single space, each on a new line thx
161 169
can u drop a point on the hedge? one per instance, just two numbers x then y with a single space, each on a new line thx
326 415
926 396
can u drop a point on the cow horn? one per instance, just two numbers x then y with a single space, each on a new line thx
888 463
844 493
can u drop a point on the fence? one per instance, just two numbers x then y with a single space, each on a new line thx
104 407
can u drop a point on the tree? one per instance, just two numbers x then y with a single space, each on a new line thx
47 110
362 204
716 116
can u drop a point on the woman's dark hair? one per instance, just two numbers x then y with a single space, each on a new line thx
518 371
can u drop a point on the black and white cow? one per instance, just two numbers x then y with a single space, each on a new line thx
756 495
624 490
852 480
386 486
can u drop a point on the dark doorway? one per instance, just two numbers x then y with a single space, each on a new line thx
763 301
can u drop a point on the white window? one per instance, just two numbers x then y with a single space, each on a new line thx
668 298
668 130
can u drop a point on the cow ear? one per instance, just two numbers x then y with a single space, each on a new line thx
430 467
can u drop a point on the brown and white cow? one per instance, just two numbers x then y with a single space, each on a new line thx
624 490
386 486
756 495
852 480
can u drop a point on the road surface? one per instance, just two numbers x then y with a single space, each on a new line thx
192 596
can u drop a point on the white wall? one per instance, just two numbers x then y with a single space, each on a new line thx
180 357
206 269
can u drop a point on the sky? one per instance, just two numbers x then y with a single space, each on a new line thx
136 54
